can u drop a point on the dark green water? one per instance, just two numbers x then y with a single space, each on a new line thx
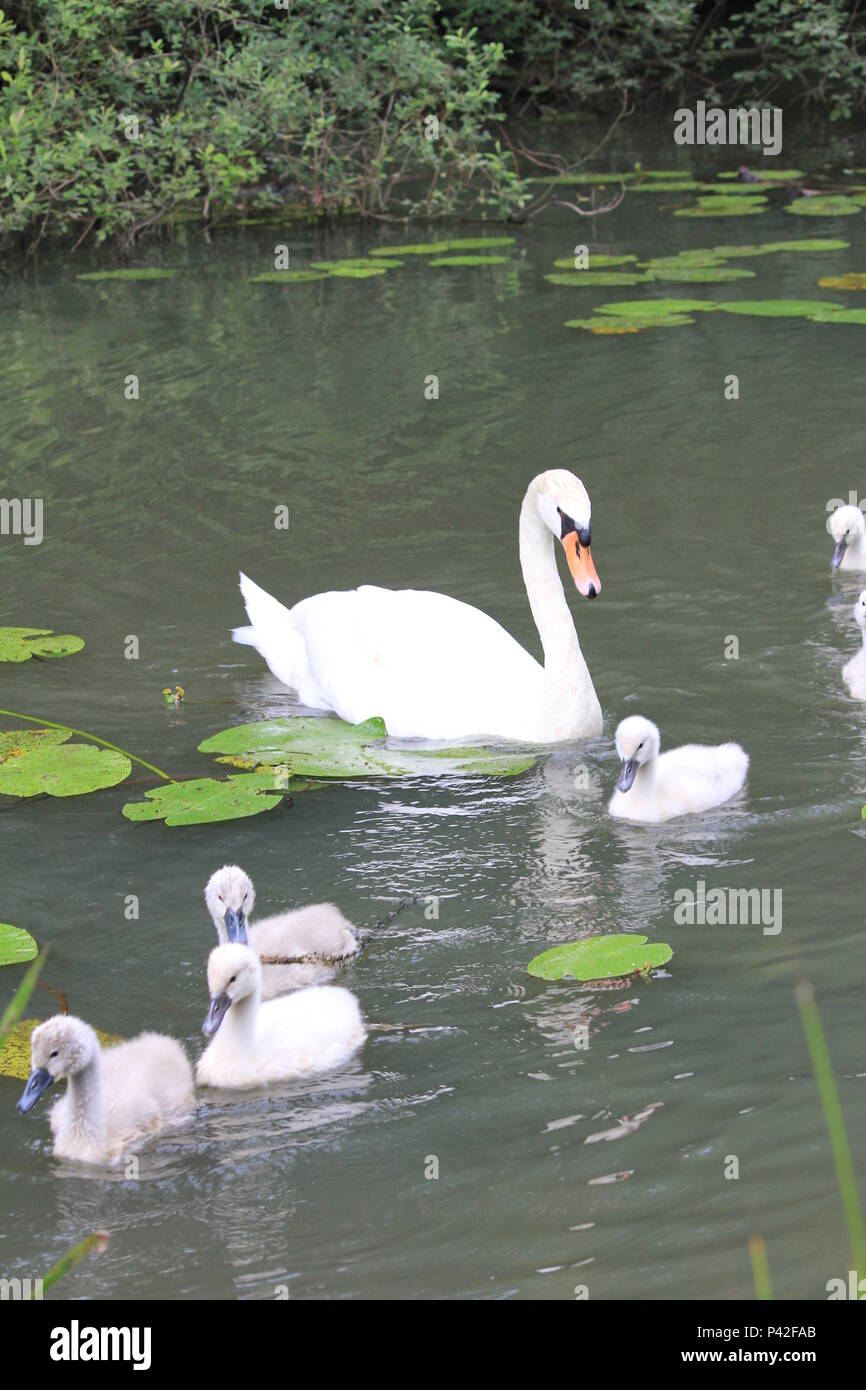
708 520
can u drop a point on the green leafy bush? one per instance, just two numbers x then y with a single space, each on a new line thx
115 113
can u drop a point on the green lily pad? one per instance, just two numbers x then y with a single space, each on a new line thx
13 742
209 799
839 315
354 272
813 244
354 263
21 643
580 179
287 277
599 958
325 747
744 190
656 308
777 308
471 260
580 279
854 280
596 261
435 248
783 175
724 207
129 274
15 1050
16 945
830 205
665 186
702 274
72 769
610 326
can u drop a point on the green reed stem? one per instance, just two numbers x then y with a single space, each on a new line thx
823 1069
18 1003
98 1241
49 724
760 1267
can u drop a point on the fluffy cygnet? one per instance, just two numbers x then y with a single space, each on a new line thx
302 1034
115 1098
656 787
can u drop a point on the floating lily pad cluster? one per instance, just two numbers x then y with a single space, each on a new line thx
710 265
460 251
282 757
325 747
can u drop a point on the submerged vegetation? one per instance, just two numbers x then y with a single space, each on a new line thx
121 116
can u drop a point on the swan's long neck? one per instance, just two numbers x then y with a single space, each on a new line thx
237 1031
86 1112
569 703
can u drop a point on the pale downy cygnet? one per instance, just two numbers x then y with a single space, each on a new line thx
302 1034
848 529
854 671
297 947
115 1098
654 787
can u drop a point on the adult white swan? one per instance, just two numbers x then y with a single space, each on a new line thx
433 667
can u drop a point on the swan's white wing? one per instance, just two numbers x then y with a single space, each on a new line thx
429 665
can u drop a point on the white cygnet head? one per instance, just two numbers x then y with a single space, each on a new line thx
860 612
233 973
637 741
230 898
62 1046
846 525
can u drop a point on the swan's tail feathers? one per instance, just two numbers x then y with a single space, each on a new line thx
271 631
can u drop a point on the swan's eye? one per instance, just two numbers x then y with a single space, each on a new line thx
53 1054
232 980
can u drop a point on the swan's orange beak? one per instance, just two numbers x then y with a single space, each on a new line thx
580 563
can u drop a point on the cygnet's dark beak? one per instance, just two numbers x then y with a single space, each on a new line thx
839 554
219 1007
37 1084
236 925
628 772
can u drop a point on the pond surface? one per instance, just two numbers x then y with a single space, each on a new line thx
558 1167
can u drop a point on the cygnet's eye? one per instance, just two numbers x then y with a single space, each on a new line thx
232 980
53 1054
